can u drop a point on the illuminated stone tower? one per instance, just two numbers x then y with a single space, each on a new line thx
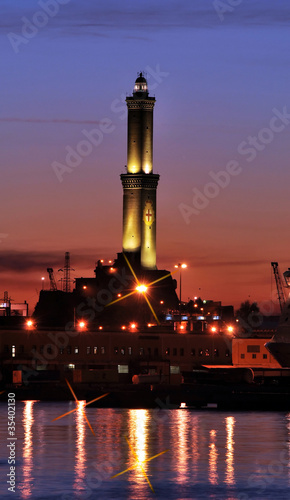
139 183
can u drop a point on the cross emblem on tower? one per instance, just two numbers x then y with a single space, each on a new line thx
149 215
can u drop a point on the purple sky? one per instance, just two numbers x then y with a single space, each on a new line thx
217 78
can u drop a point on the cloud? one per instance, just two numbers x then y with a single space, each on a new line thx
25 261
49 120
85 17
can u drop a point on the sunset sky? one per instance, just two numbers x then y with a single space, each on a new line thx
219 79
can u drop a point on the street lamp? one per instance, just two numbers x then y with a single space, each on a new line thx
42 280
180 267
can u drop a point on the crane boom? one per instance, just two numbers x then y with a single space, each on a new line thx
53 286
280 291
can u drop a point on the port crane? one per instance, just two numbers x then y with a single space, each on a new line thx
280 291
53 286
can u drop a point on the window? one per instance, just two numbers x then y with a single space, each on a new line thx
174 370
129 351
6 348
207 352
200 352
89 350
41 349
141 351
71 366
253 348
174 351
216 353
227 353
116 350
123 369
21 349
254 356
167 351
181 351
13 351
76 350
68 349
123 351
192 352
265 356
103 350
242 356
156 351
95 350
149 351
49 349
61 350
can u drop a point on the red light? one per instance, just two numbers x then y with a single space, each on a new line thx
119 295
84 287
29 323
82 324
123 328
133 326
161 301
100 328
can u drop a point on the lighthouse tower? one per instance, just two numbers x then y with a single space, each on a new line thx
139 183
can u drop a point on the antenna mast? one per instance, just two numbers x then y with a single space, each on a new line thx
66 281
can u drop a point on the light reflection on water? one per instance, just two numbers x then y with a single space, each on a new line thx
80 454
230 470
213 455
28 421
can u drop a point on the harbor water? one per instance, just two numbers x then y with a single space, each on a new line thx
203 454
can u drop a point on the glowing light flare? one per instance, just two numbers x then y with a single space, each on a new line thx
82 324
230 329
142 288
133 326
213 329
123 327
84 287
100 328
29 323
